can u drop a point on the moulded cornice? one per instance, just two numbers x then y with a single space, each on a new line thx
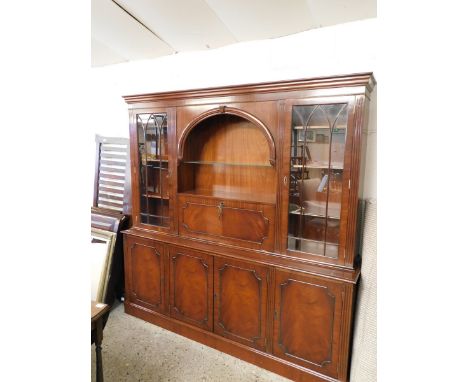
361 79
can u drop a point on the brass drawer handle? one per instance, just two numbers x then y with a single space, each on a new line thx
220 209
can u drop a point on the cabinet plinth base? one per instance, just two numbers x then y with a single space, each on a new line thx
256 357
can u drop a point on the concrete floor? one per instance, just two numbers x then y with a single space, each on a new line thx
136 351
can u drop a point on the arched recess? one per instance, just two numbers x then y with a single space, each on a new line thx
227 110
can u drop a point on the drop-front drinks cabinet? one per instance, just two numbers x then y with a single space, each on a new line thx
245 217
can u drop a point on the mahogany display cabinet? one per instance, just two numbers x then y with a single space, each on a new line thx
246 219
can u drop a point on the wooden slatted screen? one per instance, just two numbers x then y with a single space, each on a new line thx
112 176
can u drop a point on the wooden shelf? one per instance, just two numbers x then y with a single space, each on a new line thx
153 167
209 163
232 195
319 127
155 196
154 216
319 166
297 212
319 247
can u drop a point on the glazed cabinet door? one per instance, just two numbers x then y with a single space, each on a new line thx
152 137
144 273
241 300
309 322
191 287
317 166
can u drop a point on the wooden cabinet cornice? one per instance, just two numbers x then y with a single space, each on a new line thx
246 211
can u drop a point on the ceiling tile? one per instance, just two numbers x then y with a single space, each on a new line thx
260 19
332 12
184 24
121 34
101 54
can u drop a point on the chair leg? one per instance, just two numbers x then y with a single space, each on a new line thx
99 373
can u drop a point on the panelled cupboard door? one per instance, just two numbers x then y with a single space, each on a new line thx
308 319
241 302
144 269
191 287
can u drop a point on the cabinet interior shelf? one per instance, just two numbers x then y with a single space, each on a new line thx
319 127
214 163
297 212
319 166
233 195
155 196
151 166
313 241
154 216
164 159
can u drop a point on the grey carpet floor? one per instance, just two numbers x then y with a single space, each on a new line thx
136 351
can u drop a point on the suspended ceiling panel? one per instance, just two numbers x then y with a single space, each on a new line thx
103 55
124 30
261 19
184 24
121 34
331 12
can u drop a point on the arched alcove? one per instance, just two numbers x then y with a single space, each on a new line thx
227 153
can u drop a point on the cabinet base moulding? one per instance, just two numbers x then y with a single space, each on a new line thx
258 358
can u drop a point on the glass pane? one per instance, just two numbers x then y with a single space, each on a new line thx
154 166
316 176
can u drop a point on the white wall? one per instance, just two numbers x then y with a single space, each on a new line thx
341 49
370 181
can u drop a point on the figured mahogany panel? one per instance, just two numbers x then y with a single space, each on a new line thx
239 223
201 218
144 266
308 321
191 287
241 302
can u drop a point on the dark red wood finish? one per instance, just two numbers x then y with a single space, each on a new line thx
191 287
221 273
241 298
245 224
308 320
145 264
